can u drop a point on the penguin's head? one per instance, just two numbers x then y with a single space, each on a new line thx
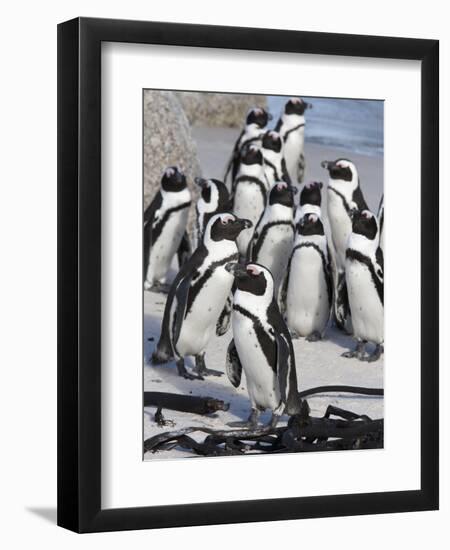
252 155
208 188
310 224
173 180
364 223
253 278
272 140
296 106
340 169
225 226
311 193
282 193
258 116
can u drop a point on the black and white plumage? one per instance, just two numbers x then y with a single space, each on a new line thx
344 195
198 295
165 221
251 134
364 273
250 191
381 222
291 127
273 154
308 288
310 201
272 240
214 199
261 345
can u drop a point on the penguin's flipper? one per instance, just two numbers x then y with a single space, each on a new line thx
149 215
233 365
359 199
283 365
284 289
179 291
329 277
184 250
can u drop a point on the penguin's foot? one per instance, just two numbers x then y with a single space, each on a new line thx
161 421
358 352
182 371
273 421
375 355
314 336
201 370
250 424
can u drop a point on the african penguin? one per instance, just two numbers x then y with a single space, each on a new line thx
381 222
198 295
261 346
310 201
343 196
273 155
214 198
255 126
271 244
165 221
249 193
308 287
364 272
291 127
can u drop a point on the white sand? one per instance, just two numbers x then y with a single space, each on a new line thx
318 363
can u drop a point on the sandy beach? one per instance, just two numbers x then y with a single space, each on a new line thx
317 363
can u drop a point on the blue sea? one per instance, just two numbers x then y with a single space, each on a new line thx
354 125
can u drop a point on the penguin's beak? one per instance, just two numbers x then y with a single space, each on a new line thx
294 190
326 164
308 105
201 182
237 270
242 223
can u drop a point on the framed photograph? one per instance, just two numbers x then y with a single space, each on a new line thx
245 333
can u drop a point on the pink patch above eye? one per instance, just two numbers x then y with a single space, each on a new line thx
227 219
313 218
273 134
281 186
169 172
257 111
253 270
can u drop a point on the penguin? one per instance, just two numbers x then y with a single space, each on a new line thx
364 273
273 155
165 221
308 287
273 237
381 222
291 127
261 346
310 200
249 193
255 126
198 295
214 198
343 196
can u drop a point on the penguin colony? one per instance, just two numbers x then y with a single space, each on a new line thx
264 262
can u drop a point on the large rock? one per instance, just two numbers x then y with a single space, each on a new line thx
224 110
167 142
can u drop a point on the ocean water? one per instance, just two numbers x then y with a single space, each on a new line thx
353 125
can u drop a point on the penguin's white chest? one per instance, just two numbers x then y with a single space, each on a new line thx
307 305
262 381
340 224
276 250
248 204
200 322
365 306
293 149
163 250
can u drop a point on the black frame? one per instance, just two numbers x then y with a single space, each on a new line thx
79 281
